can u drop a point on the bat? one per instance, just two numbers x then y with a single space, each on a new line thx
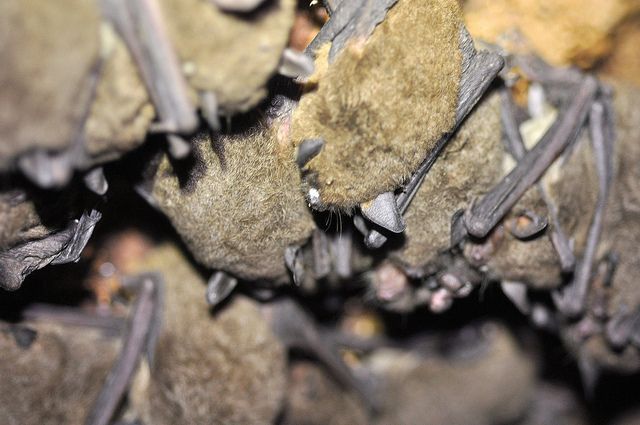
486 213
348 109
479 70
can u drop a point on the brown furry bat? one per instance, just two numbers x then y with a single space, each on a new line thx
564 201
493 386
241 209
80 93
383 103
55 378
555 404
314 399
606 334
73 98
466 168
225 369
48 53
232 55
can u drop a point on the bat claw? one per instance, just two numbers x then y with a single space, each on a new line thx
458 231
620 329
589 374
372 238
375 239
567 301
46 170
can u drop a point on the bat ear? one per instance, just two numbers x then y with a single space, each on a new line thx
517 293
96 181
308 149
295 64
219 287
384 212
295 263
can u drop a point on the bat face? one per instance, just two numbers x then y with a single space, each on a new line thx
232 55
242 208
382 104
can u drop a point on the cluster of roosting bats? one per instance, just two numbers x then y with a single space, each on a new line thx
392 122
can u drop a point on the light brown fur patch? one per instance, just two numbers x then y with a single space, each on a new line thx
47 51
240 216
382 105
497 385
231 54
226 369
